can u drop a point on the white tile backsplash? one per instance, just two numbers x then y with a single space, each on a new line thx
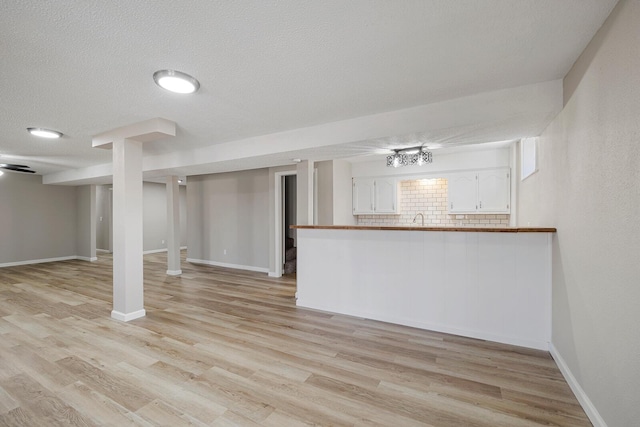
430 198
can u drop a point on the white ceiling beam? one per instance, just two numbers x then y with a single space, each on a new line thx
499 115
145 131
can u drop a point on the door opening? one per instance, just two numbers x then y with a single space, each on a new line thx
289 206
282 219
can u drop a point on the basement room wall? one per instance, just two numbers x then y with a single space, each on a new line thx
324 177
588 186
154 216
229 212
86 222
342 194
154 212
103 218
37 222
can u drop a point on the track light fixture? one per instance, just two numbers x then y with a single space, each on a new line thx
409 157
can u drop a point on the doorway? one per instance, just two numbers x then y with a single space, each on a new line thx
289 207
285 215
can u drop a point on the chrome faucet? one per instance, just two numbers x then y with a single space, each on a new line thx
416 217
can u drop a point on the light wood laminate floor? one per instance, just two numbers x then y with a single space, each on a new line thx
225 347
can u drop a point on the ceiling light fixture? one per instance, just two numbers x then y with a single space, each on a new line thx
176 81
409 157
45 133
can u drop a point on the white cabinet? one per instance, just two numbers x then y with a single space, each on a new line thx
462 190
385 196
375 196
482 192
363 194
493 191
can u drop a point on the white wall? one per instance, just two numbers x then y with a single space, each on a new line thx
304 192
86 224
154 216
229 211
36 221
588 186
493 286
342 190
154 213
103 218
325 192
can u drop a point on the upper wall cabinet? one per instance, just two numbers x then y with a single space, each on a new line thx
484 192
375 196
462 192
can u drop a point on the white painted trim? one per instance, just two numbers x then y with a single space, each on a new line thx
279 220
227 265
154 251
174 272
126 317
513 193
538 345
38 261
585 402
89 259
103 251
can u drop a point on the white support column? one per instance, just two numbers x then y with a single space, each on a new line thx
173 226
128 291
128 300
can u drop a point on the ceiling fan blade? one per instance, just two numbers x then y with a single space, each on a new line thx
10 165
17 169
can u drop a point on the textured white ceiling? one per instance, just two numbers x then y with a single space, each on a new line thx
84 67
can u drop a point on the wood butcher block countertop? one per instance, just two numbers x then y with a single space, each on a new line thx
399 228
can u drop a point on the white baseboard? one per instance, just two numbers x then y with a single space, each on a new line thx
174 272
429 326
227 265
273 274
154 251
81 258
585 402
38 261
126 317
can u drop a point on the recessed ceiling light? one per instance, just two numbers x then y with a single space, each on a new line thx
44 133
175 81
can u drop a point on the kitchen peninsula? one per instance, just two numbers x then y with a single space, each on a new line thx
486 283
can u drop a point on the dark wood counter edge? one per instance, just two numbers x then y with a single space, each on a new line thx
463 229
